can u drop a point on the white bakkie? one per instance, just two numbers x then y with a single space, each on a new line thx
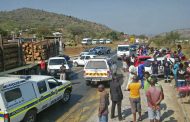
99 69
23 97
82 60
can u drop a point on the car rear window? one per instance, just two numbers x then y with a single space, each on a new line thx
96 65
13 95
57 62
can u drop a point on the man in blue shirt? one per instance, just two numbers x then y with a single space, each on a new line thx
141 71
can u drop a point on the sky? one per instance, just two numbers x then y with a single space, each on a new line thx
128 16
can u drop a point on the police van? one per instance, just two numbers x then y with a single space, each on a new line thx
23 97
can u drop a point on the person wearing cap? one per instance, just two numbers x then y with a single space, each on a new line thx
116 97
154 97
103 104
62 72
134 97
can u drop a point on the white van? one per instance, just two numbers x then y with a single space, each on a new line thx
86 41
123 49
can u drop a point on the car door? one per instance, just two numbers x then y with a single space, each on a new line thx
43 95
54 89
86 59
81 60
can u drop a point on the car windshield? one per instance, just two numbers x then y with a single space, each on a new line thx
57 62
123 48
96 65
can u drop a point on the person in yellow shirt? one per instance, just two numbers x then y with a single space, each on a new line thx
134 97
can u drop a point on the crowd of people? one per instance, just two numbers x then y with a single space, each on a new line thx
178 71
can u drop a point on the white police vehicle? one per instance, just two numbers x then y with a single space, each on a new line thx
23 97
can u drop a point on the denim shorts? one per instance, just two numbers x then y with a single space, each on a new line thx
153 114
135 105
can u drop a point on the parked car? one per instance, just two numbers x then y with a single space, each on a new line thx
23 97
101 50
95 41
102 41
54 65
88 51
141 60
99 69
160 60
86 41
82 60
108 41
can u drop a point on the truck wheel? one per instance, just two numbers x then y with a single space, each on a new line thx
76 64
30 116
66 96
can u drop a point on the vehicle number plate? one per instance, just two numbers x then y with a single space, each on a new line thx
95 79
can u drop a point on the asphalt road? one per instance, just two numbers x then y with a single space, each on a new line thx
81 105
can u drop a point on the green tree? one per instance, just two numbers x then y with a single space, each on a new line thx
3 32
113 35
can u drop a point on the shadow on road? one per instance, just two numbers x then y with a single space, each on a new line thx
167 114
126 112
54 112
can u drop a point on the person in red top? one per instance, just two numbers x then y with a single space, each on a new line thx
154 97
42 67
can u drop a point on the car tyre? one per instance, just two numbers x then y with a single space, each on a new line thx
99 53
108 52
75 64
30 116
66 96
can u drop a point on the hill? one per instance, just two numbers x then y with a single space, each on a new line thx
44 23
184 33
